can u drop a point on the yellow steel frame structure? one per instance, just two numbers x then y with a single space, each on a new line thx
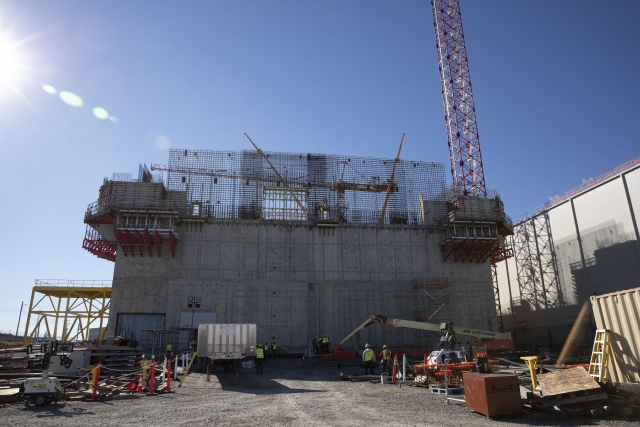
84 303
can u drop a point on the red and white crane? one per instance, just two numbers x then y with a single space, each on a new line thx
459 110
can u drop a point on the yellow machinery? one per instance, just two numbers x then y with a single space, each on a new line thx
532 362
68 309
184 376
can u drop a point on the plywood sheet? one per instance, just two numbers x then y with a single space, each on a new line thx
566 381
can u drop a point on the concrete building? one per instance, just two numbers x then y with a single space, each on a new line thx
300 244
582 243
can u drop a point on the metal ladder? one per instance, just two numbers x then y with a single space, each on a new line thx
599 364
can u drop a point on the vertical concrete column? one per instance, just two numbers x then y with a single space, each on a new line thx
584 264
631 212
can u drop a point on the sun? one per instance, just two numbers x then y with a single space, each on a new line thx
9 63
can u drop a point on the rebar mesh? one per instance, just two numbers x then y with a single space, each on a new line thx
231 184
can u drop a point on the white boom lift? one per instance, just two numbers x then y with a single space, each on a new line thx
447 341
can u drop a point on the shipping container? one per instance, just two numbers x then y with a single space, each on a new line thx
619 312
223 341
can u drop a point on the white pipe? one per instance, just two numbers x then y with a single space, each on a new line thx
404 367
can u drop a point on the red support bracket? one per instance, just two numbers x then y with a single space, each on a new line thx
137 238
157 240
172 244
147 241
130 243
122 240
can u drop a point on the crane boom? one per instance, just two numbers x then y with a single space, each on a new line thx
476 333
459 109
284 183
422 326
391 184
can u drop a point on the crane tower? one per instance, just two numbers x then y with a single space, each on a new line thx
459 110
475 226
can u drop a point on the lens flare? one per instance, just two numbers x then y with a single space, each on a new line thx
163 142
114 119
100 113
71 99
49 89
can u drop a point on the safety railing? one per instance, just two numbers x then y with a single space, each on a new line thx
104 205
73 283
593 182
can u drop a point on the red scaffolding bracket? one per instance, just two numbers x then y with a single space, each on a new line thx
157 240
128 238
95 243
123 241
137 238
469 250
146 238
172 244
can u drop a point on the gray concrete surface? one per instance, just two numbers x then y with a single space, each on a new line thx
285 395
297 281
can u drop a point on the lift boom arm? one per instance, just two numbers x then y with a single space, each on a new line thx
433 327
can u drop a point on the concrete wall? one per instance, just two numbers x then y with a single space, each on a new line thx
600 255
297 281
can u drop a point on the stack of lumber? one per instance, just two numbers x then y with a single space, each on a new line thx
573 392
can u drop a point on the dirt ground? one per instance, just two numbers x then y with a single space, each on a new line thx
287 394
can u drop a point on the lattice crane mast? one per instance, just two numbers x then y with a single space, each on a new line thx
459 109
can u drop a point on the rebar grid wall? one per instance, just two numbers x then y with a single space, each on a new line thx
230 184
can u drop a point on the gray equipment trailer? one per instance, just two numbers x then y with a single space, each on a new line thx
226 344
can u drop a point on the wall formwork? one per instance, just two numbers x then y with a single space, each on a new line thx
297 281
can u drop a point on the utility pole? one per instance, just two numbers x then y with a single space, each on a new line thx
19 317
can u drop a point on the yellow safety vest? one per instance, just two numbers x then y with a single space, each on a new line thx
259 353
169 346
273 346
386 354
368 356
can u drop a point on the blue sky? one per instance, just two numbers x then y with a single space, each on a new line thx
555 86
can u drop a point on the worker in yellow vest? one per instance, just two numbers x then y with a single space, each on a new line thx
259 358
274 348
169 351
386 360
369 359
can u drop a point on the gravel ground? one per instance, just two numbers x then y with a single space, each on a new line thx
286 394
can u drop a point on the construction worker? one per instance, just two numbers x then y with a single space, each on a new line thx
386 360
325 343
369 359
169 351
259 358
193 344
274 348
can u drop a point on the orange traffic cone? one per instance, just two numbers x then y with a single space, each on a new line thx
140 384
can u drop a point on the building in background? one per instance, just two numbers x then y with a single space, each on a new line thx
582 243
